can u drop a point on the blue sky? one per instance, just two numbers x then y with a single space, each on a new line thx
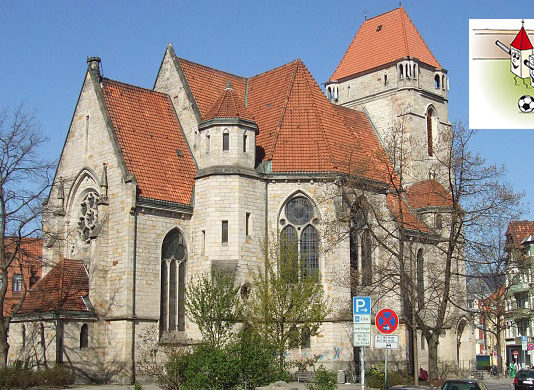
44 46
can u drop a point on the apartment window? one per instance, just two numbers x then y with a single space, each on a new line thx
439 221
244 143
247 224
226 141
208 144
17 283
224 232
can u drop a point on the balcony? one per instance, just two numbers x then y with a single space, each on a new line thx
520 287
521 313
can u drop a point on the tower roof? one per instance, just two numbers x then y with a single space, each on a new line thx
521 41
381 40
228 105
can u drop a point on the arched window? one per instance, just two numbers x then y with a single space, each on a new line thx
84 336
414 71
309 250
367 263
443 82
401 71
357 246
299 240
420 279
329 93
436 81
430 118
172 303
305 341
439 221
289 253
226 140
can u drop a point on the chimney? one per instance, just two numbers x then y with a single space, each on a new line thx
93 64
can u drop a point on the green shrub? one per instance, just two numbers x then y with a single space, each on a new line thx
138 386
57 376
375 378
324 379
19 376
245 363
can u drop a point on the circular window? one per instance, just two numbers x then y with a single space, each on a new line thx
299 210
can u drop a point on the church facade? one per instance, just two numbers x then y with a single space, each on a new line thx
155 187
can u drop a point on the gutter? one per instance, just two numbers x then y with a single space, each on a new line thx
134 269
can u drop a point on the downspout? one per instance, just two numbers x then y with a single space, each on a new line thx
266 221
134 267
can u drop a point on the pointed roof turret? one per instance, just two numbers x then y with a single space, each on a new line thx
228 105
521 41
382 40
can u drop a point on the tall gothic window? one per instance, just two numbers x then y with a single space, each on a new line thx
172 303
299 238
429 126
367 263
420 279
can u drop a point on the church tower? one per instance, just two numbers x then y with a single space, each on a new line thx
229 194
389 72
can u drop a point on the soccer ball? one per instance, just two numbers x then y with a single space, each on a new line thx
526 103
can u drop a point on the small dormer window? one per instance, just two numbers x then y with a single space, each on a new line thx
379 27
436 81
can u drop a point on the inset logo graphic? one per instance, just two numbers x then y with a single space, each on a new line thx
501 74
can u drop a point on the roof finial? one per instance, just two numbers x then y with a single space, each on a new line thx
365 14
522 22
228 85
400 4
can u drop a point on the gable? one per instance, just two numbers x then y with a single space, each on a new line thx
382 40
152 141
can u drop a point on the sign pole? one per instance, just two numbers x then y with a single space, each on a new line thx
362 366
386 371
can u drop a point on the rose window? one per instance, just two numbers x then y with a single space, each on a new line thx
88 215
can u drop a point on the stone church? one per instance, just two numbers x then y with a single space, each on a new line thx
155 187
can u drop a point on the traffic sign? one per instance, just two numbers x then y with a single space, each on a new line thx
515 353
530 347
361 305
362 339
524 343
386 341
361 309
387 321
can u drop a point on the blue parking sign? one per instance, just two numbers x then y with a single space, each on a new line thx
361 305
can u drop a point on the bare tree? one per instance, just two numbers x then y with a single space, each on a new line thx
472 195
25 179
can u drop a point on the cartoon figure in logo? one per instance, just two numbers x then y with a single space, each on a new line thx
519 51
530 66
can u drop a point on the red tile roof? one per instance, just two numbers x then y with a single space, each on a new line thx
428 193
408 217
229 105
382 40
151 140
61 289
299 129
211 82
521 41
518 230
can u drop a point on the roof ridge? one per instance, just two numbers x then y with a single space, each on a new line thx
422 39
274 69
346 51
210 67
405 38
382 14
315 109
284 109
133 86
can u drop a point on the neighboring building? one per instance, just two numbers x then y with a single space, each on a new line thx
156 187
24 272
520 274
